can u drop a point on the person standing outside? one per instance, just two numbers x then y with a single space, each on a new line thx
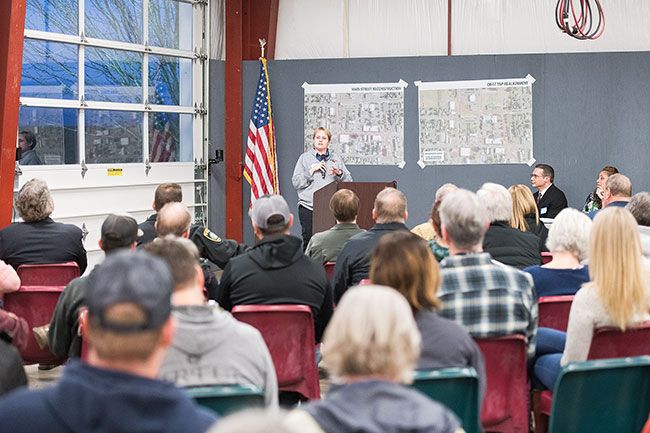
314 169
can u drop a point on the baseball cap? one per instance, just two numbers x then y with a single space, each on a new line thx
267 206
119 231
128 277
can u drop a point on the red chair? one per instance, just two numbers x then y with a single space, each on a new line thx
288 331
54 274
505 406
546 257
554 311
329 270
36 305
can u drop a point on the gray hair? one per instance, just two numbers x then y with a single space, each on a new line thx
570 233
496 201
639 207
444 190
619 185
463 217
255 421
34 201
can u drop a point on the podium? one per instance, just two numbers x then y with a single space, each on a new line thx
323 218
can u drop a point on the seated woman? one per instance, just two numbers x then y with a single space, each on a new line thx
402 261
524 214
370 348
594 200
617 295
568 241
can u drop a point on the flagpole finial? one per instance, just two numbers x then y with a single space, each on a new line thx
262 45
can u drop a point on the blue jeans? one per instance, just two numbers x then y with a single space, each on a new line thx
548 353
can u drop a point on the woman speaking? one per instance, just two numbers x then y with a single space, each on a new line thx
315 169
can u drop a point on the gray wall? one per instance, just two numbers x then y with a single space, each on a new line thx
589 110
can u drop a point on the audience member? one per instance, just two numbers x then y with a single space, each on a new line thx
403 261
617 193
568 240
353 264
275 270
549 198
259 421
524 214
426 230
617 295
505 244
639 206
594 199
210 347
325 246
38 239
12 373
487 298
118 232
210 246
13 329
370 349
128 327
9 281
27 149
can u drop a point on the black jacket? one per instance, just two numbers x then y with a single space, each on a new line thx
42 242
552 202
353 262
276 271
538 229
511 246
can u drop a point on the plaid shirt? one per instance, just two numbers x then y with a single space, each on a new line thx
489 299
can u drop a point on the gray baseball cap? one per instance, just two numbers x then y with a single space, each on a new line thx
267 206
128 277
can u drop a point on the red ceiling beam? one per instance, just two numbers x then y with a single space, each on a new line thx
12 27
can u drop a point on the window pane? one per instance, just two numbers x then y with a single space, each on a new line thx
170 137
49 70
170 80
58 16
164 29
113 75
113 136
116 20
55 130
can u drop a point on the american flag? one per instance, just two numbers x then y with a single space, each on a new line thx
261 166
162 142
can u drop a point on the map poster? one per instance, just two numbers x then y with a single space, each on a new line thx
366 120
476 122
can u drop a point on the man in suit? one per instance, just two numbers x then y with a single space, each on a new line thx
549 198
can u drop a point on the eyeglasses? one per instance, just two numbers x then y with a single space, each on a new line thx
536 175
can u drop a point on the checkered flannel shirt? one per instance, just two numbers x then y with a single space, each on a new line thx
488 298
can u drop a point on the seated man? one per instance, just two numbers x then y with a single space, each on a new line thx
128 327
549 198
119 232
353 263
639 206
276 271
210 246
325 246
617 193
504 243
488 299
40 240
210 347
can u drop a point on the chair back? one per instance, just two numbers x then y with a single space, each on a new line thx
227 399
546 257
288 331
329 270
614 343
54 274
505 405
36 305
456 388
605 395
554 311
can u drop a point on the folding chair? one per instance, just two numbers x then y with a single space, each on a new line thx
546 257
227 399
554 311
329 270
53 274
456 388
288 331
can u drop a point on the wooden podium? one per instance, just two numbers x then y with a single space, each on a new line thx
366 191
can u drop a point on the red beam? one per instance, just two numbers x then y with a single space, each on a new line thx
234 144
273 27
449 27
12 27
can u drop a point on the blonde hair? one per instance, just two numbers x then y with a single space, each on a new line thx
523 203
404 261
615 265
372 333
325 130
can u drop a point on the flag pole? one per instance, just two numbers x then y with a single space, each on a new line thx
262 45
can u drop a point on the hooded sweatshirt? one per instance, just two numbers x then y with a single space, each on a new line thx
90 399
210 347
276 271
380 407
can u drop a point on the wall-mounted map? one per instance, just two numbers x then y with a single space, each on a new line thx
476 122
